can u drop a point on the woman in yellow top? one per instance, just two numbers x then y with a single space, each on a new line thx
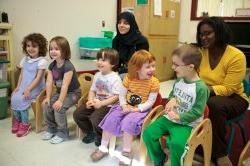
223 69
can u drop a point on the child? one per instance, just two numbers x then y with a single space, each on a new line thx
184 110
30 83
136 99
62 74
102 95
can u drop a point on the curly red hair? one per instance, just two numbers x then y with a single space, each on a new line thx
136 62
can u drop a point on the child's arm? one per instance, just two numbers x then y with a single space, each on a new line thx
91 97
49 86
98 103
198 107
64 89
149 103
34 83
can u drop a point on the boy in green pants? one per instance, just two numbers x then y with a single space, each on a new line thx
183 112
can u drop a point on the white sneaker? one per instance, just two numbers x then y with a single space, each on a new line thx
56 140
47 135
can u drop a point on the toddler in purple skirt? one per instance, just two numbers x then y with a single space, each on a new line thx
137 96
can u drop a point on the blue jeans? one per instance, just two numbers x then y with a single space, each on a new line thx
21 115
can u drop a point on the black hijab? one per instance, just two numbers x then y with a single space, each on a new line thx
130 42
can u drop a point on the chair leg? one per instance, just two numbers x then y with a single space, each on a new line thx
143 152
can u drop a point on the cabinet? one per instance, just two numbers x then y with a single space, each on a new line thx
6 50
161 31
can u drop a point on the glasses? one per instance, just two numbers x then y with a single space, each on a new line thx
205 34
176 65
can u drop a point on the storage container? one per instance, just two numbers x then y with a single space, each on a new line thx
4 86
3 69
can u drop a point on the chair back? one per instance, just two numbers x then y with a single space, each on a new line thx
85 80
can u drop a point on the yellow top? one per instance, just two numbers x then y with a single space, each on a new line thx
226 78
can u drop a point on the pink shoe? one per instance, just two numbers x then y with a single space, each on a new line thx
23 129
15 126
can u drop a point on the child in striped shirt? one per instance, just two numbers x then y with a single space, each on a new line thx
139 92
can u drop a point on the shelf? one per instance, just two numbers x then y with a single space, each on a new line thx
3 37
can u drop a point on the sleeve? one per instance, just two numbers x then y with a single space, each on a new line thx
149 103
93 87
198 107
42 64
117 85
22 62
143 45
122 96
234 76
51 65
68 67
126 81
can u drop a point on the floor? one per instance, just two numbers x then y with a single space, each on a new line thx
32 151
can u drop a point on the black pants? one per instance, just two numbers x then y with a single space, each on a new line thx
222 108
89 119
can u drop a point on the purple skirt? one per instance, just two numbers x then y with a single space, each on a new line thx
116 121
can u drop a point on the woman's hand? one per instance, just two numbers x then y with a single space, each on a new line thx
57 105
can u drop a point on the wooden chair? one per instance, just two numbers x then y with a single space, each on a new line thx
201 135
147 120
245 155
85 81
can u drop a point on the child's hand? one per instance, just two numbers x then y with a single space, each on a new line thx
126 108
173 115
26 94
14 91
171 105
46 101
89 104
97 103
57 105
135 109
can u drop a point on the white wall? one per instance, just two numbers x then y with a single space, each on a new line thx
187 32
71 19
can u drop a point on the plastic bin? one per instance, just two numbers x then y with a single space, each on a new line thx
4 86
89 46
3 70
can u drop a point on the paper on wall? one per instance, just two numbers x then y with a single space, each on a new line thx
157 7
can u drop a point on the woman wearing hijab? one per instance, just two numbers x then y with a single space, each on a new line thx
128 39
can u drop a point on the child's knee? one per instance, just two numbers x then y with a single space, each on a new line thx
146 135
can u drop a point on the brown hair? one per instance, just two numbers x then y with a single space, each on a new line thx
189 54
63 45
136 62
109 54
36 38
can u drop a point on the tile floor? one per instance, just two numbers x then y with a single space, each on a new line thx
32 151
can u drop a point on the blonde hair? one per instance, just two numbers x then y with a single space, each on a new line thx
136 62
189 54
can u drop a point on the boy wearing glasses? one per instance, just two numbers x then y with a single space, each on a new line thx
183 112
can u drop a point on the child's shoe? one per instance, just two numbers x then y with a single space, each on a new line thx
15 126
89 138
56 140
23 129
47 135
126 159
99 153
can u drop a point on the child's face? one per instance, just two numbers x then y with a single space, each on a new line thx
147 71
32 49
104 66
181 69
123 26
54 51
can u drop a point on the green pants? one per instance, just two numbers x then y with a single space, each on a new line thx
177 137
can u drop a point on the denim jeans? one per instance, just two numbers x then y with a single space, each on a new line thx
21 115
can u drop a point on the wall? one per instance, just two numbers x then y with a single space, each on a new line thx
71 19
187 32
